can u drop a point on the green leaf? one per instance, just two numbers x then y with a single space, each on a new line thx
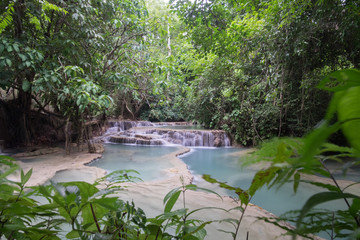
26 85
172 200
8 62
9 161
154 230
261 178
319 198
355 207
177 213
332 107
9 171
329 187
243 195
169 194
196 188
23 57
313 142
198 231
16 48
26 177
205 208
85 189
296 181
341 80
355 234
72 234
349 114
2 47
330 147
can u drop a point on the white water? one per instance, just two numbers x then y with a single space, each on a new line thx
133 133
120 126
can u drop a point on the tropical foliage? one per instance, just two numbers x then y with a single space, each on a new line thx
67 60
80 210
295 158
269 57
252 68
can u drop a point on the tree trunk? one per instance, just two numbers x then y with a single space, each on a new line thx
281 86
67 136
91 146
129 110
24 104
80 137
169 48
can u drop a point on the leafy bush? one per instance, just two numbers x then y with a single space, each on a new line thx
291 158
81 210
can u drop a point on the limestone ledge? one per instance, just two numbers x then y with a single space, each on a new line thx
38 152
45 166
142 140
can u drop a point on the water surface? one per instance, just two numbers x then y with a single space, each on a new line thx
224 165
149 161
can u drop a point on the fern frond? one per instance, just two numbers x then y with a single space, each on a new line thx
46 6
6 18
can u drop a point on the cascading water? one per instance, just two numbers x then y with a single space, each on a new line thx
120 126
146 133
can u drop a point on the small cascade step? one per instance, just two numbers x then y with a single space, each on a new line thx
146 133
135 140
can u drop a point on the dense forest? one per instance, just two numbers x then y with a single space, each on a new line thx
248 67
286 70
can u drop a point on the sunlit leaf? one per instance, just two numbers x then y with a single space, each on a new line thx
341 80
171 200
349 115
314 141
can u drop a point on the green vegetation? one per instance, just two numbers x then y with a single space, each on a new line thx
80 210
250 68
257 69
264 61
291 158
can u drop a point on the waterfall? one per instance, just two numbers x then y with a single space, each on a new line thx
208 139
117 128
120 126
227 140
145 133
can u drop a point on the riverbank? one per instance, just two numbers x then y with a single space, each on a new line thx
46 162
